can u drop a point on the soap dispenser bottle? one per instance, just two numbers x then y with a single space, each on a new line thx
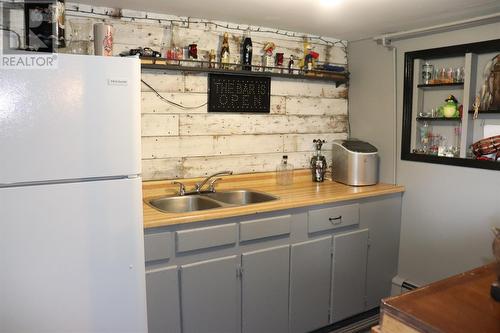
318 162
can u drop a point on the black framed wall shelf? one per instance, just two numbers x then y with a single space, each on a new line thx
429 135
440 85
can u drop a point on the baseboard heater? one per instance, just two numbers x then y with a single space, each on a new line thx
359 323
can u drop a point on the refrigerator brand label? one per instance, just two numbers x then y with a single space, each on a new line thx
117 82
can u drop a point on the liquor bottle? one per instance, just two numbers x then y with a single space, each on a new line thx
246 56
268 58
224 52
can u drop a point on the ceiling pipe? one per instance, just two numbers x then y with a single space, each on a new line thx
386 39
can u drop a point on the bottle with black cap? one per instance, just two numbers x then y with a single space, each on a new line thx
284 172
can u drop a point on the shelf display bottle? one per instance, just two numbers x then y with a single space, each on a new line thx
246 56
224 52
268 58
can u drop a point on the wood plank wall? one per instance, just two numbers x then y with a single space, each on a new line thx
178 143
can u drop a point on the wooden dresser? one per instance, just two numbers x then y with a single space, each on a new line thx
459 304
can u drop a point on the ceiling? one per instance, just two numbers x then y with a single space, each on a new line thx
343 19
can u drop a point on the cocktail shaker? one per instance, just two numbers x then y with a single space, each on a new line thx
318 162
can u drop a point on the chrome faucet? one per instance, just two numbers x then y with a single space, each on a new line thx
199 186
211 187
182 187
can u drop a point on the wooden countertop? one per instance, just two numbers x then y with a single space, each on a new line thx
459 304
303 192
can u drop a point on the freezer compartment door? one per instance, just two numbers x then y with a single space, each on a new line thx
72 258
79 120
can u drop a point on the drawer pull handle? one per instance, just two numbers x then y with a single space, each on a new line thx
336 220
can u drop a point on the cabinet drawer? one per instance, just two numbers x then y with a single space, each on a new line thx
202 238
157 246
333 217
267 227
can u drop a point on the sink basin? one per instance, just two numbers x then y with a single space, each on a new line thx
183 204
240 197
196 202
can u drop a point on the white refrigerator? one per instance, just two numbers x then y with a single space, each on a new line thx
71 232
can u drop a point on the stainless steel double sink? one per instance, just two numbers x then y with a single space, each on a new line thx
211 200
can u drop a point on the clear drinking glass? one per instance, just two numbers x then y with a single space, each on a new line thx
79 41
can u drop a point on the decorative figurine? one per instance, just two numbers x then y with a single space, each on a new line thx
490 90
193 51
307 48
291 65
310 57
495 286
475 106
495 84
450 109
211 59
318 162
224 52
246 52
267 60
144 52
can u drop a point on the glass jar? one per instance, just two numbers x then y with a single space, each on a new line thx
284 172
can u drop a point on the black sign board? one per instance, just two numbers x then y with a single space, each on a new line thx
238 93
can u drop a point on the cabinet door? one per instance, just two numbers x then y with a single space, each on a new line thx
162 286
382 216
265 280
209 296
350 254
310 283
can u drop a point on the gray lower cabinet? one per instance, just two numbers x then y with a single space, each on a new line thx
350 255
290 271
163 300
310 282
209 294
265 278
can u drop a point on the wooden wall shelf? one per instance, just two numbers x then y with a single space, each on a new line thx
204 67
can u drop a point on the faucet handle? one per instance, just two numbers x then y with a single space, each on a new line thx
182 187
211 187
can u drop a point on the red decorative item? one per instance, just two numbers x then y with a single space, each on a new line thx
193 51
487 146
279 59
315 55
